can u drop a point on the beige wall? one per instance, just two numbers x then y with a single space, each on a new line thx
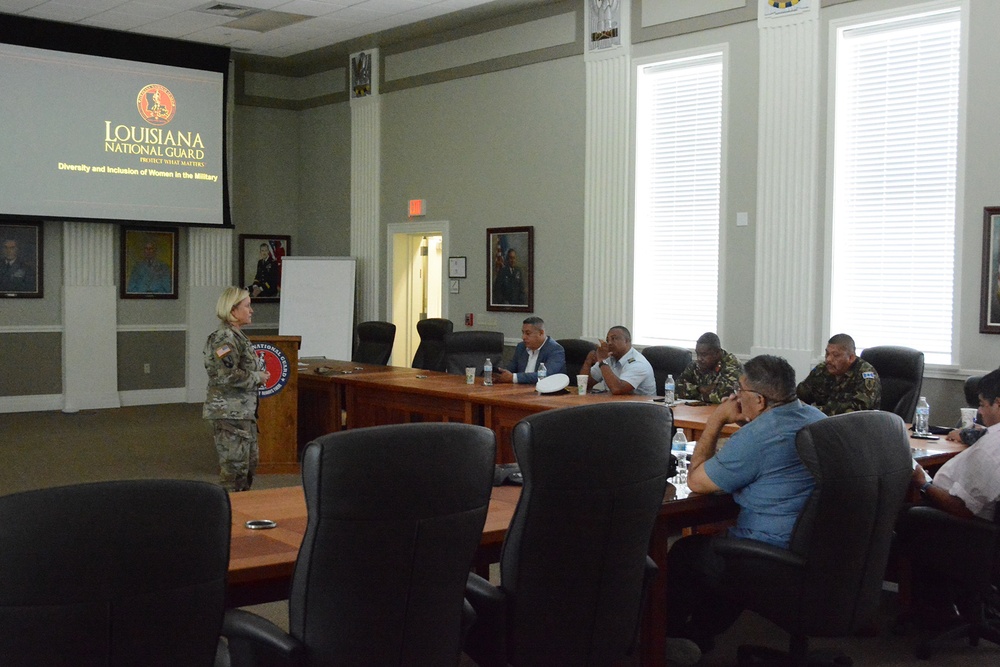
503 149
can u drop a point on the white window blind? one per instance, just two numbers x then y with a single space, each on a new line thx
895 158
677 175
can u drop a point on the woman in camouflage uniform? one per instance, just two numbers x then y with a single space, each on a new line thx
234 373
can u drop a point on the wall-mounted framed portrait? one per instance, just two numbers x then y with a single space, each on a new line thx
149 262
989 308
260 264
21 260
510 256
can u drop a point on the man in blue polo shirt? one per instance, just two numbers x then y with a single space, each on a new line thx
761 468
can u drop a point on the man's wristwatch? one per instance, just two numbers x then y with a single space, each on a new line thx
925 487
603 362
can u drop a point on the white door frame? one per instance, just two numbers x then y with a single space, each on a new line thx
439 227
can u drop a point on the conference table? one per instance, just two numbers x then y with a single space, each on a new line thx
373 395
262 561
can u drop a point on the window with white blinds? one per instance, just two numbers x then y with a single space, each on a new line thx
677 191
894 189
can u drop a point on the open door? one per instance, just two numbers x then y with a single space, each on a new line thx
416 282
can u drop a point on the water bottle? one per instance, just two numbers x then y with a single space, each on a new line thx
488 373
542 373
668 392
678 447
922 420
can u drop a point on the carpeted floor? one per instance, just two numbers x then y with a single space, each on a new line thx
42 449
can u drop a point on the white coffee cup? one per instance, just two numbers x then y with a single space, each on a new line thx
968 417
470 375
581 384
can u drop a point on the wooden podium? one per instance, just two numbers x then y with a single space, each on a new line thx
277 413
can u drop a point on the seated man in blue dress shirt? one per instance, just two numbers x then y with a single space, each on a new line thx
760 466
535 348
619 368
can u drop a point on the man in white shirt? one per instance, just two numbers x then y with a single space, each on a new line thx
535 348
969 484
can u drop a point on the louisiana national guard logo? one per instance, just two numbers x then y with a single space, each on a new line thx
156 104
276 364
782 4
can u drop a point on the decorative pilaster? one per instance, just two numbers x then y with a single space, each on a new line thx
786 303
366 150
89 301
210 270
607 232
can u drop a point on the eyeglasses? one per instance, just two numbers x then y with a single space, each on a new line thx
737 389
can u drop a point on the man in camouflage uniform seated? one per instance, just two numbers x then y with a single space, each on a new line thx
843 383
234 374
713 374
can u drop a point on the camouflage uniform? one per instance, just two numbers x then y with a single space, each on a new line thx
725 378
857 389
234 373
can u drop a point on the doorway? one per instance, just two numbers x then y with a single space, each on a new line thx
416 283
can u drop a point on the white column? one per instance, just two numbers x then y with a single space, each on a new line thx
786 305
90 333
607 231
210 269
366 150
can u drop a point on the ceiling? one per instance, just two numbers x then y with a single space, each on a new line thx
276 28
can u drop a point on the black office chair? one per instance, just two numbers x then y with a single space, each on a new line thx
666 360
373 342
463 349
577 350
395 516
901 372
961 554
430 353
574 568
114 574
829 581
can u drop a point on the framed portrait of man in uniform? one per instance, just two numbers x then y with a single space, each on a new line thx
510 264
21 260
989 309
149 262
260 264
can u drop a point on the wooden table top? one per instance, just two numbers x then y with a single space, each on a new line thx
261 555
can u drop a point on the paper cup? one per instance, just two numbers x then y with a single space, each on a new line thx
581 384
968 417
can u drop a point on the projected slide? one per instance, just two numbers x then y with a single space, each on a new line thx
87 137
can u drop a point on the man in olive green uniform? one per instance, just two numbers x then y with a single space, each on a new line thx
234 374
712 375
842 383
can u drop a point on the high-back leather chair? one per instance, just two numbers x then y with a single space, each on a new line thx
374 342
395 516
577 350
901 372
430 353
113 574
962 555
829 581
574 565
463 349
666 360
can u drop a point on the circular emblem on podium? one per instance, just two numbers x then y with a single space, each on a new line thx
276 364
